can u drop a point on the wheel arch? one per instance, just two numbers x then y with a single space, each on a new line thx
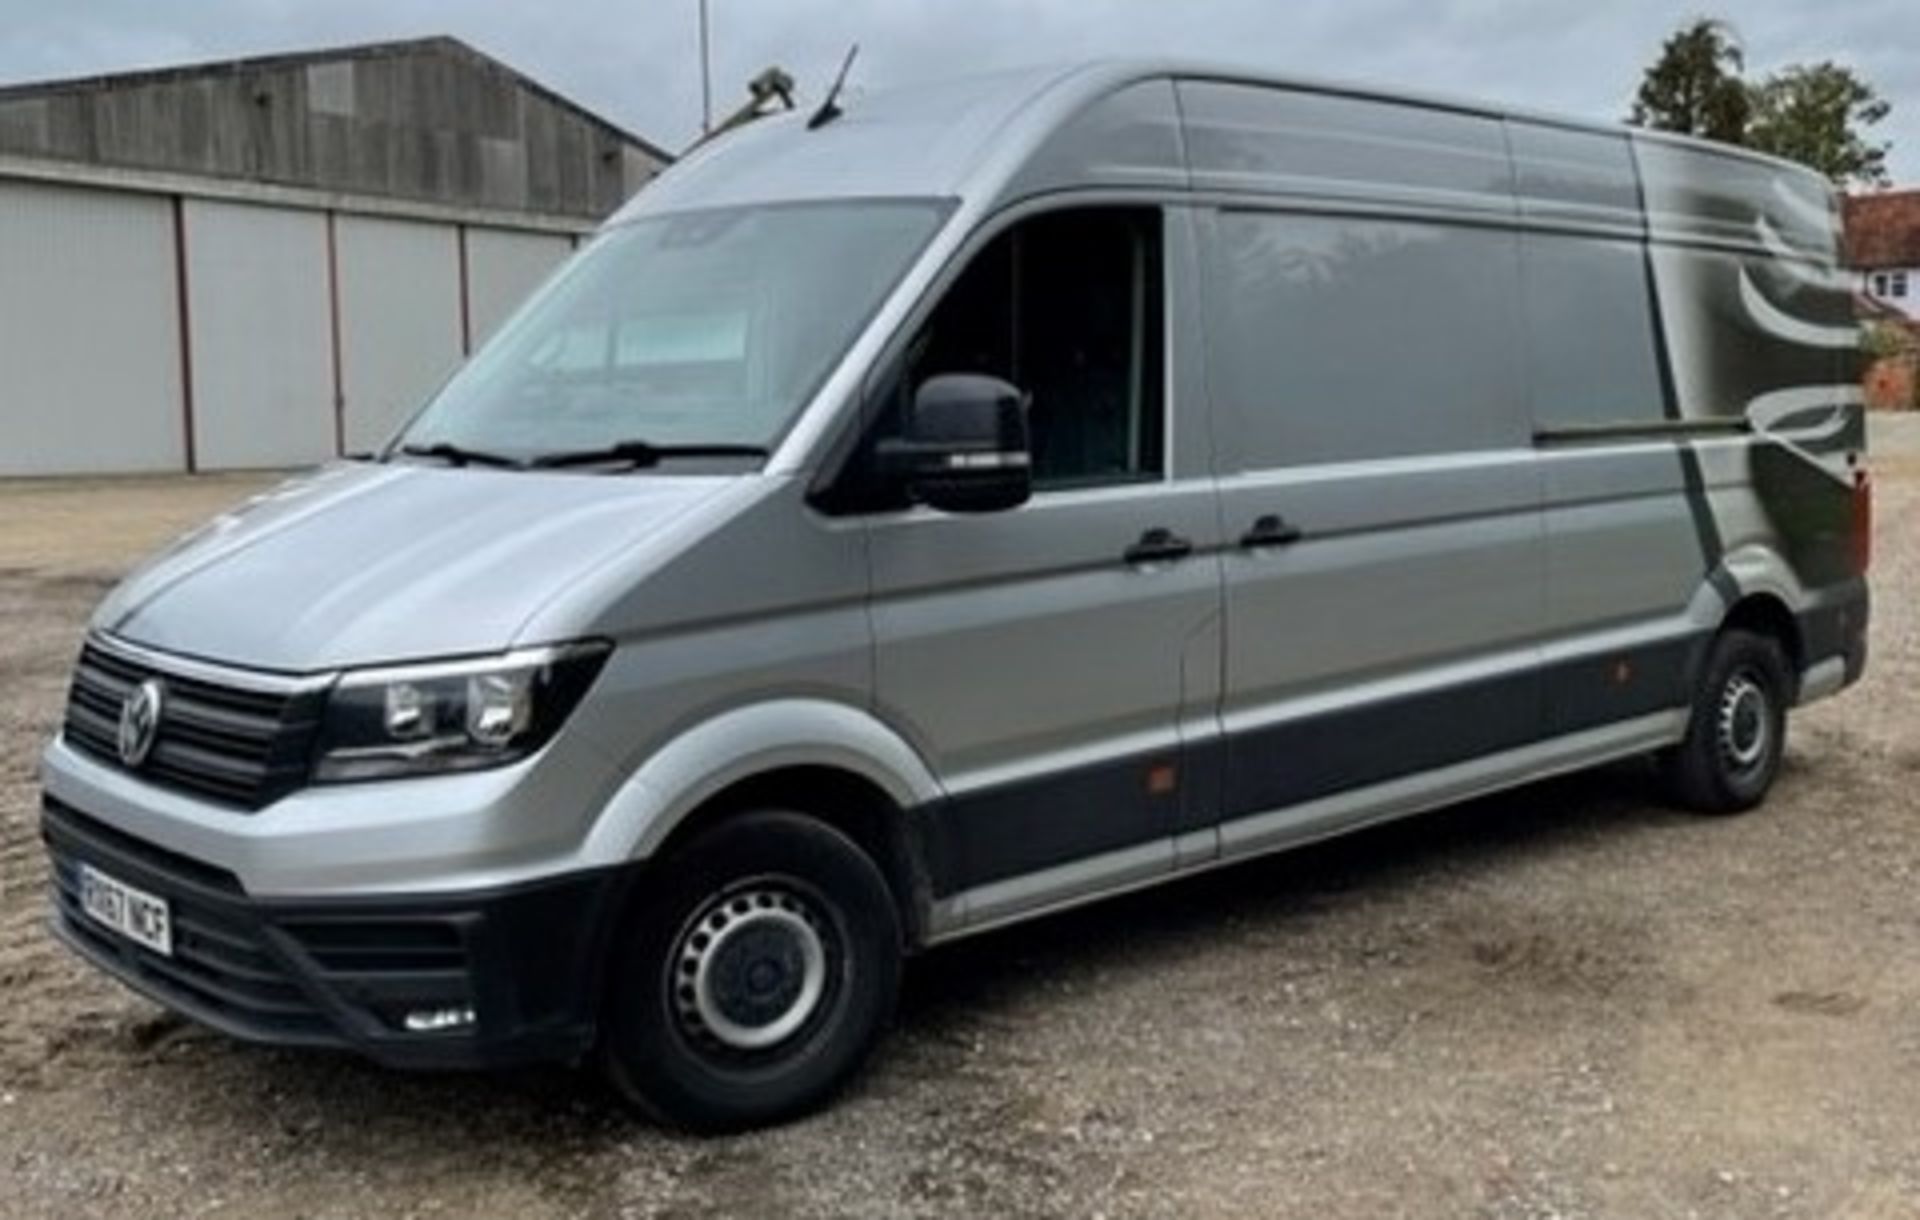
848 802
1754 588
828 760
1766 614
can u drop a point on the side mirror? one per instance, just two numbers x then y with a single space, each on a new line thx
965 446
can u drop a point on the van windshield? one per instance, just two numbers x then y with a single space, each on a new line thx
690 331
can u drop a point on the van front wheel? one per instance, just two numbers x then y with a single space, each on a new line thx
1738 730
753 983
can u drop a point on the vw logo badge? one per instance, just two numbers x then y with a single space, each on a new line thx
140 721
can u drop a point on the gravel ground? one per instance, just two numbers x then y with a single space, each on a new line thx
1561 1002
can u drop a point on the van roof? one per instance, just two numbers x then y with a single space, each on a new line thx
965 135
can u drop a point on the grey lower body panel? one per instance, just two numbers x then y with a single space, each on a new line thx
1021 849
1244 838
1062 818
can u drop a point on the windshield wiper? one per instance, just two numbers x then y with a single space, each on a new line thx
460 456
641 453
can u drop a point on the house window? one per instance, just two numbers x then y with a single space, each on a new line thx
1879 288
1897 284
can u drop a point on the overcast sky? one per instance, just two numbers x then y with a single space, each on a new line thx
636 61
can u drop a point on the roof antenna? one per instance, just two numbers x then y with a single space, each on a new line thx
830 109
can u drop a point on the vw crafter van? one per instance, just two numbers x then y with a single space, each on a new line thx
1002 495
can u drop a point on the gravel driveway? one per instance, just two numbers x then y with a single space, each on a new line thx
1561 1002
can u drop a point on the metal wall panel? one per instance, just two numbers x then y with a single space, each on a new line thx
503 268
399 286
261 335
430 120
89 334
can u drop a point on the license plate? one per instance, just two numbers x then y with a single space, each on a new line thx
134 914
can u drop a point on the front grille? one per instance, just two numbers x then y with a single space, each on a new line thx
222 970
238 746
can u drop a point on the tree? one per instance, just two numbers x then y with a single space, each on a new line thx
1694 88
1817 115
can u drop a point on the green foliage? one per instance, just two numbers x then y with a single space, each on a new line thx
1816 114
1880 340
1694 88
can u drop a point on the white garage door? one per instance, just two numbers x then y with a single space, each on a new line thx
399 320
89 332
502 269
261 332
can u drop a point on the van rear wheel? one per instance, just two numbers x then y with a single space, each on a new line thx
1738 730
754 982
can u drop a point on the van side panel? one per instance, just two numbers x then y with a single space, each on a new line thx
1367 393
1758 318
1307 145
1624 555
1577 179
1690 405
1760 329
1130 138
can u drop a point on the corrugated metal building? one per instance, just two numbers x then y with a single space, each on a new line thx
270 261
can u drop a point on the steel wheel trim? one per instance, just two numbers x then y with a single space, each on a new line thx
750 968
1744 722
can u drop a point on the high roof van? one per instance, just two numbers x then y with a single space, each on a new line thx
1001 495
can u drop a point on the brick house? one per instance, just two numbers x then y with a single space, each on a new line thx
1883 248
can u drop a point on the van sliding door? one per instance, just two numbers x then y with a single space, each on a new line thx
1381 504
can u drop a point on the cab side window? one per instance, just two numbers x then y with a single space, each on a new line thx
1067 307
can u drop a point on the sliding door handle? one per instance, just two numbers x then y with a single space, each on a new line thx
1270 530
1159 546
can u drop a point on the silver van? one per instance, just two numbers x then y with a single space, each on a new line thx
996 496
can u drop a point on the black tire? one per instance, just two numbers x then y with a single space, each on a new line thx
714 1021
1738 730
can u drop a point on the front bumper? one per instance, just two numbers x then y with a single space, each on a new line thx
345 972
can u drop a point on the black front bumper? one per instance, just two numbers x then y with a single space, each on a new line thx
345 973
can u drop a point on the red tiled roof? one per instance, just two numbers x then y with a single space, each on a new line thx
1883 229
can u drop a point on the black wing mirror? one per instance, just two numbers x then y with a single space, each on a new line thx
965 446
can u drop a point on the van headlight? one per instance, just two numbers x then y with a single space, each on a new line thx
451 715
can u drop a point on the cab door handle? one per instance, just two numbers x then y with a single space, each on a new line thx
1159 545
1271 530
